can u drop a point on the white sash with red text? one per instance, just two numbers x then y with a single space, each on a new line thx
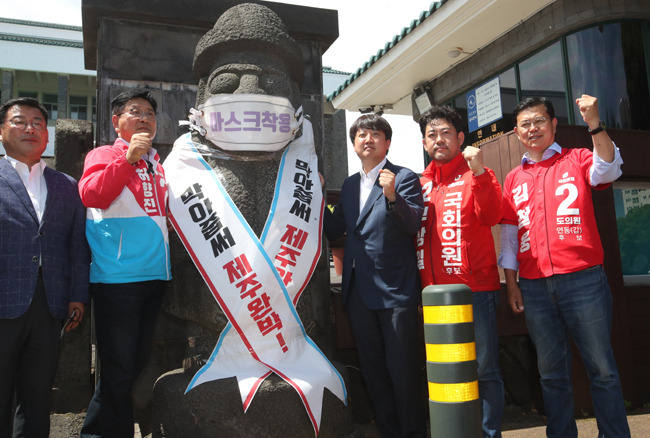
256 282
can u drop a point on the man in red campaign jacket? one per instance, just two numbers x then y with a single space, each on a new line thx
462 201
549 236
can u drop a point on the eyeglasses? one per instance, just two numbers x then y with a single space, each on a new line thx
139 114
538 122
38 125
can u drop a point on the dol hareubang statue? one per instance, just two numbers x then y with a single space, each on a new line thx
246 201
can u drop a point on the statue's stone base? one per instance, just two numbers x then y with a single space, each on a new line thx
214 409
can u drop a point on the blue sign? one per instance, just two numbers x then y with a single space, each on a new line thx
484 105
472 116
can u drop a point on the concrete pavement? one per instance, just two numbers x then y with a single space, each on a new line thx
528 425
639 421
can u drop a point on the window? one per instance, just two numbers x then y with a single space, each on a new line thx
32 94
608 61
633 224
508 83
460 104
543 75
79 107
51 104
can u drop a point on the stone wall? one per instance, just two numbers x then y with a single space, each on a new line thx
73 385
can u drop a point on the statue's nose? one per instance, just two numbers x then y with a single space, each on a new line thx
249 84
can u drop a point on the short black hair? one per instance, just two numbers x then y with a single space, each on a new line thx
440 112
22 101
531 102
118 102
371 121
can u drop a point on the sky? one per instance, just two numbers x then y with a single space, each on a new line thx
364 27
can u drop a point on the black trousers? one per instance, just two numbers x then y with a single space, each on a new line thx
29 352
388 346
125 321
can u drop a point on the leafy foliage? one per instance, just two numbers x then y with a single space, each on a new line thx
634 240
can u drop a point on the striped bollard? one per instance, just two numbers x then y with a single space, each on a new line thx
454 406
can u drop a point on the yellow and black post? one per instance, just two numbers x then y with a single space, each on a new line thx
454 406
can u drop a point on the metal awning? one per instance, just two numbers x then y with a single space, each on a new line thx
443 36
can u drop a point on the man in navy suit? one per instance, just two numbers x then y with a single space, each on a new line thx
380 210
44 261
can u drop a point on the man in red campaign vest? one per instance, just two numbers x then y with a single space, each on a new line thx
462 200
549 235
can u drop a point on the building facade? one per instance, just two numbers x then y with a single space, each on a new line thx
559 49
45 61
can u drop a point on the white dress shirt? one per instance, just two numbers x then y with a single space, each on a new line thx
34 182
366 182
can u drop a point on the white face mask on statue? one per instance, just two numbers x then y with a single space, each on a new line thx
246 122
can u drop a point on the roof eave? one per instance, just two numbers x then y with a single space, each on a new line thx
422 55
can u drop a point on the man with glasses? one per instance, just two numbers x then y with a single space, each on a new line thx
549 235
44 262
124 188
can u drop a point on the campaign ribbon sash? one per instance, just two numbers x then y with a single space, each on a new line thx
255 281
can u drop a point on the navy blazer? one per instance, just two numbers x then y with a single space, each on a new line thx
379 241
60 240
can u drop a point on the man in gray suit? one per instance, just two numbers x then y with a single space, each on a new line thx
380 210
44 261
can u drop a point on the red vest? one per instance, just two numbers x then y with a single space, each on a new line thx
550 202
455 244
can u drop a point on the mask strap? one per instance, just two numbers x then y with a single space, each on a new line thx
300 115
194 121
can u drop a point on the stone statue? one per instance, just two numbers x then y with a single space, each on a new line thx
248 52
